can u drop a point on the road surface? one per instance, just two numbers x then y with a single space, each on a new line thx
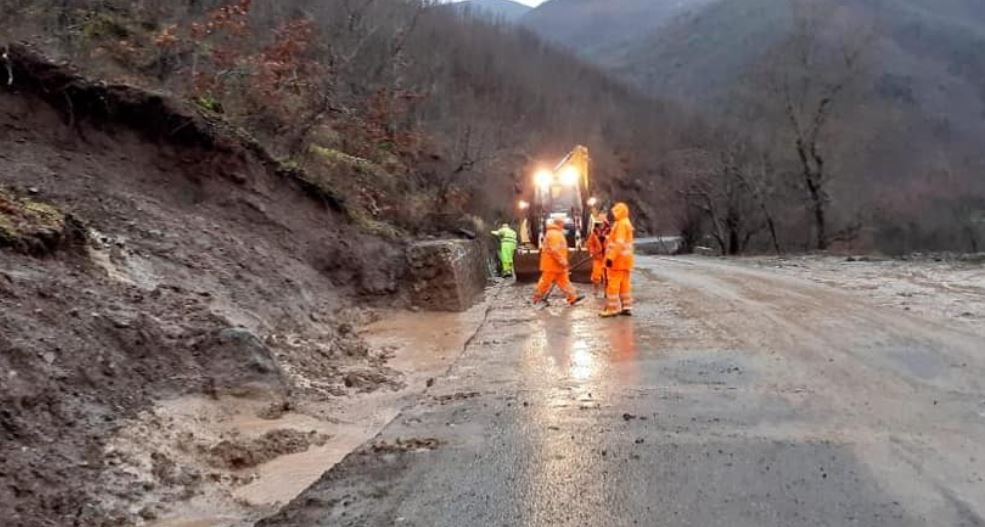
734 397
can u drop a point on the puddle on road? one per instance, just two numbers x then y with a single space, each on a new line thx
427 342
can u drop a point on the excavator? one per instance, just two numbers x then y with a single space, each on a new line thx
562 192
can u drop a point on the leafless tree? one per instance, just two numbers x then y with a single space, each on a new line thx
809 74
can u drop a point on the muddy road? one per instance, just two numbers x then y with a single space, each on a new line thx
735 396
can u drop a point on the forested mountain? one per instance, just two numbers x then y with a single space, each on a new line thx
498 9
912 117
700 50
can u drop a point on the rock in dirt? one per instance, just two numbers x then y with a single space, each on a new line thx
367 380
33 227
248 363
275 410
168 473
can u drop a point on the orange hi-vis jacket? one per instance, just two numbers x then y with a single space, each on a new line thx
554 253
620 243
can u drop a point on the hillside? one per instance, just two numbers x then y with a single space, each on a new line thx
697 50
506 10
185 248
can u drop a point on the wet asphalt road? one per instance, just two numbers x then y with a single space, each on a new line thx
734 397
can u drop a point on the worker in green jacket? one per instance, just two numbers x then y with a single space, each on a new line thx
507 248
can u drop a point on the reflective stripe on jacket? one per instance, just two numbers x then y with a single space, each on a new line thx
506 235
620 246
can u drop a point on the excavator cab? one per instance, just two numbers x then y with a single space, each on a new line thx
559 193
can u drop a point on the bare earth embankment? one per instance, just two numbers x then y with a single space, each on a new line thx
176 312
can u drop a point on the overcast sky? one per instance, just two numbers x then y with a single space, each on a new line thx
528 2
533 3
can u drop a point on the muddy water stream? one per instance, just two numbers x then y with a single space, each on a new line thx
424 346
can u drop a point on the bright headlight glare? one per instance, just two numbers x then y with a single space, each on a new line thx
543 178
569 176
593 202
523 205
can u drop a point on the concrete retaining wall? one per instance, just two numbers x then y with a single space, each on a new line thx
446 275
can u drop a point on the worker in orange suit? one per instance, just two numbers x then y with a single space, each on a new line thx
554 265
596 248
619 264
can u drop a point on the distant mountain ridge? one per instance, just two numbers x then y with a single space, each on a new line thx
500 9
597 28
695 49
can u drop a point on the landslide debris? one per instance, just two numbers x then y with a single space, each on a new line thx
203 267
238 454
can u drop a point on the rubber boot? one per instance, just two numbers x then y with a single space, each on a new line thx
577 299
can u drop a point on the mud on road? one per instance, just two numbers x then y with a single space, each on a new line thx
737 395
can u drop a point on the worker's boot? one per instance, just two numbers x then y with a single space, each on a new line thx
627 312
576 300
609 314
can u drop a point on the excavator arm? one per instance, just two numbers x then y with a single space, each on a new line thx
563 191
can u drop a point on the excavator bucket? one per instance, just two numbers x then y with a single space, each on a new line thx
526 264
581 266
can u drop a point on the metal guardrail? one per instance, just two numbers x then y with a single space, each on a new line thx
658 245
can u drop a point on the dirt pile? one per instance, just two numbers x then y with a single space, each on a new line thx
240 454
208 268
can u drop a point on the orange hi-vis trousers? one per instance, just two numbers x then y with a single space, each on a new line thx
619 291
563 281
598 270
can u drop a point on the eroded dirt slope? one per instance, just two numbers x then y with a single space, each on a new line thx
204 269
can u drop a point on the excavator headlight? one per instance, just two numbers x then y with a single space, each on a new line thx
523 205
569 176
543 178
593 202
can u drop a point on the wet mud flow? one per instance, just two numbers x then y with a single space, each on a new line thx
734 396
284 454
